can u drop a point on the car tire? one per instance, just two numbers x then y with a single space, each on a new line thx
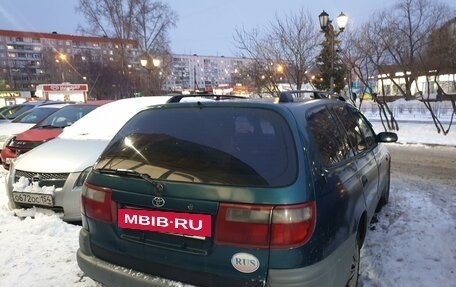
384 198
354 268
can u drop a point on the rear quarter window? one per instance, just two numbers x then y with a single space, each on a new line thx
330 142
229 146
357 128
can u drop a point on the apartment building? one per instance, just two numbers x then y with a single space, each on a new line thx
195 72
31 58
28 59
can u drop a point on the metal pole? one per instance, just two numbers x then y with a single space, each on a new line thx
331 78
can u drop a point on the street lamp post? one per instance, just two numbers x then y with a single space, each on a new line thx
328 28
62 58
149 63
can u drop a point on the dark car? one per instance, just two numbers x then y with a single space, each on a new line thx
11 112
6 110
235 193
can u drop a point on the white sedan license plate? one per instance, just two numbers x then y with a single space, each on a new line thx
33 198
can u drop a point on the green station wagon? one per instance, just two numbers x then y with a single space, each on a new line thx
234 193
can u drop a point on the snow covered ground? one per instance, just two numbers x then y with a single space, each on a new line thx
412 244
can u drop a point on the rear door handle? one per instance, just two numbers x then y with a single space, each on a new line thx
364 180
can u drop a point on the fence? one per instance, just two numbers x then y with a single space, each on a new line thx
411 110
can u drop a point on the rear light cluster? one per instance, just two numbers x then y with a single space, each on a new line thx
97 203
259 226
277 227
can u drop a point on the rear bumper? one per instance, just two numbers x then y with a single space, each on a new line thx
332 271
117 276
114 275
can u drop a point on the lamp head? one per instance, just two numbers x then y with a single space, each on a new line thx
342 20
324 20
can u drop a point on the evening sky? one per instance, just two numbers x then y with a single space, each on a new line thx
205 27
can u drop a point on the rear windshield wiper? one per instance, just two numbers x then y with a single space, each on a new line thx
129 172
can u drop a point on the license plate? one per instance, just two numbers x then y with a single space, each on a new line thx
33 198
188 224
9 160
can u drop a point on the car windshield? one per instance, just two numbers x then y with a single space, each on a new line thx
14 111
65 116
248 147
4 111
35 115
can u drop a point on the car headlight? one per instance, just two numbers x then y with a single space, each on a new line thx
82 177
7 139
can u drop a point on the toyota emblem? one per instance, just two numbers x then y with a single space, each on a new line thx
158 201
36 178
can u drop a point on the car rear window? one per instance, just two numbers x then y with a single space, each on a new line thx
211 145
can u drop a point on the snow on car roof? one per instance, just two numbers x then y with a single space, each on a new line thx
105 121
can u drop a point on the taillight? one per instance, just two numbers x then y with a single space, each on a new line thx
97 204
292 225
264 226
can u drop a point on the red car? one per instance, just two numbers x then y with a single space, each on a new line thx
45 130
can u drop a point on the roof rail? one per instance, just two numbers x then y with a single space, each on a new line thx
177 98
291 95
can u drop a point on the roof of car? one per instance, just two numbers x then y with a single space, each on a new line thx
44 102
53 105
96 102
296 99
105 121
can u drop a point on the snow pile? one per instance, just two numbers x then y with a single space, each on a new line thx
24 185
412 244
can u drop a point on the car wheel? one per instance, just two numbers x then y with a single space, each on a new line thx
384 199
354 268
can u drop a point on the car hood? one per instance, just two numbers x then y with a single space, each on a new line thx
61 156
38 134
14 128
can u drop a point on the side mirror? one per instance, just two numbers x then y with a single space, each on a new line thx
387 137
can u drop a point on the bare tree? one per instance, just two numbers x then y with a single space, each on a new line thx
404 34
363 56
285 48
440 60
146 21
397 40
152 25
